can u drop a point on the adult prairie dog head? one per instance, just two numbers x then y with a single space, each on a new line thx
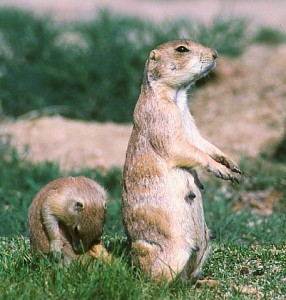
179 63
67 216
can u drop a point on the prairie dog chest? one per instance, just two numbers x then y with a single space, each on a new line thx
181 101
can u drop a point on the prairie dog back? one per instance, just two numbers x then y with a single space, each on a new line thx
67 216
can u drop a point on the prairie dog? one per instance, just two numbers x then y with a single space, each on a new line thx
161 200
66 218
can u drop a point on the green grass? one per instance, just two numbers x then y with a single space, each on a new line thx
93 70
69 69
248 253
279 151
270 36
21 180
234 266
228 36
90 70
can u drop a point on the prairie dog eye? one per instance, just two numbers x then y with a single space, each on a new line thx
182 49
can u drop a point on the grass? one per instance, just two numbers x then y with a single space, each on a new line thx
243 273
228 36
21 180
248 256
88 69
69 69
280 149
270 36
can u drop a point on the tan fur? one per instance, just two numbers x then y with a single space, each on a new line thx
67 217
162 205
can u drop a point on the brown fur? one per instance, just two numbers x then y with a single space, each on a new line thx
67 217
164 222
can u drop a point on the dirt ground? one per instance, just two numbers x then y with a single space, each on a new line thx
242 110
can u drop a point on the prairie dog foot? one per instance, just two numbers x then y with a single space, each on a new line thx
98 250
229 163
221 171
56 248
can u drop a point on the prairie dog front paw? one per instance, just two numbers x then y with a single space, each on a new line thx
56 248
221 171
228 162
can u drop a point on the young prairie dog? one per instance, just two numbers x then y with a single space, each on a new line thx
162 205
66 218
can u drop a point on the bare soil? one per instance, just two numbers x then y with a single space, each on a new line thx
241 109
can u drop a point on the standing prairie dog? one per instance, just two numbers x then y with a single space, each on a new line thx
162 205
67 217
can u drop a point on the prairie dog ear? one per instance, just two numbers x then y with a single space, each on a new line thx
154 56
77 206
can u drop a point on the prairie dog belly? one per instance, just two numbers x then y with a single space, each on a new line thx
188 212
166 230
161 211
